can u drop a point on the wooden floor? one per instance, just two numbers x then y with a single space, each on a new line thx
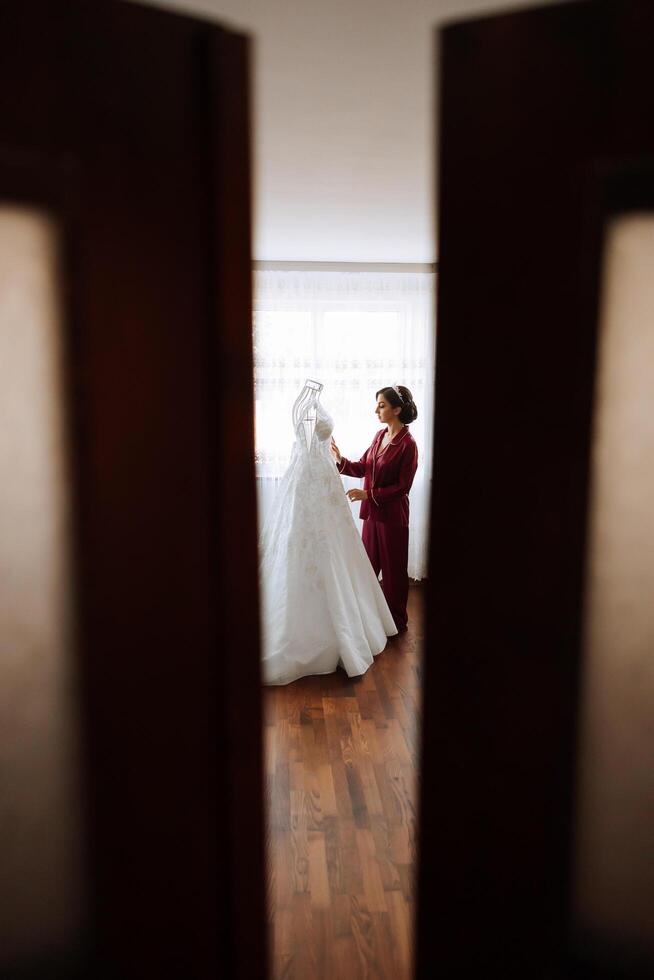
341 780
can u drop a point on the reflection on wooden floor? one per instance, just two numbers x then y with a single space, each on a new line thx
341 781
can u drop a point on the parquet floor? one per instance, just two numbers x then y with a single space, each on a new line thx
341 759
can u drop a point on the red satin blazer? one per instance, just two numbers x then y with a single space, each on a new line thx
386 477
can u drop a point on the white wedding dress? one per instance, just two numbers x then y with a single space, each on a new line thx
322 603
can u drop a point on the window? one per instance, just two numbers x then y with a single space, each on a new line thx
355 332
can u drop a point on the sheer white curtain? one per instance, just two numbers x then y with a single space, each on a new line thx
355 332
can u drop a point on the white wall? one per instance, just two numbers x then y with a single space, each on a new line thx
343 98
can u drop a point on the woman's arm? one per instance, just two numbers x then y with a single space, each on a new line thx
347 467
408 466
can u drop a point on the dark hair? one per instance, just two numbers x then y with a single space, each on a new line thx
400 397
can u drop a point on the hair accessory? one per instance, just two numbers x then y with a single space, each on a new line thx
397 392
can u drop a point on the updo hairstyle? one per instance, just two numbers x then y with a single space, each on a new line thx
403 400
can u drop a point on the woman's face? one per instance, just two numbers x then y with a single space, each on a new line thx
385 411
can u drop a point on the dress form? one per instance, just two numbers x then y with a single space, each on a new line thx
305 409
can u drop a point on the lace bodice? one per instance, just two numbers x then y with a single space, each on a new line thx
310 418
318 428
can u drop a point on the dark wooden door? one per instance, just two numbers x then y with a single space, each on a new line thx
128 127
541 112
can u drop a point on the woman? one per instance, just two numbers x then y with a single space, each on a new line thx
388 467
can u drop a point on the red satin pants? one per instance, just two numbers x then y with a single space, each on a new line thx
387 546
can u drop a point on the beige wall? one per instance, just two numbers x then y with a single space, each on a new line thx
343 99
615 867
39 810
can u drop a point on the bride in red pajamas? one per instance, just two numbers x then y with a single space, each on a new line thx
387 467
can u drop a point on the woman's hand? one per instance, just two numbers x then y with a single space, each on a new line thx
336 453
356 494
